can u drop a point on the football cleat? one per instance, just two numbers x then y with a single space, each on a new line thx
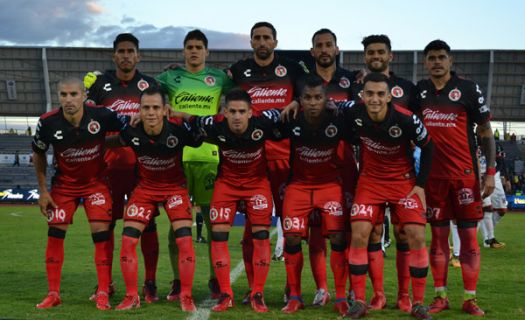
493 244
215 290
294 304
321 298
420 312
51 300
225 302
174 293
111 291
341 306
454 262
403 303
471 307
247 297
357 310
439 304
149 290
201 240
257 302
102 301
129 302
378 301
187 304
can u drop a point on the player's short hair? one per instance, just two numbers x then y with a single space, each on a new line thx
436 45
324 31
153 90
238 95
196 35
71 80
264 24
312 81
376 77
377 38
125 37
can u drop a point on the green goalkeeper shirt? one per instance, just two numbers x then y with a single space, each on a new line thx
196 94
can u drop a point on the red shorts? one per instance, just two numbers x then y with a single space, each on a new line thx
257 197
121 183
278 172
454 199
300 200
372 198
96 200
143 205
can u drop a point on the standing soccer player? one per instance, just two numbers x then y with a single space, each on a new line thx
76 133
449 107
337 82
158 145
196 89
120 91
386 134
270 81
314 185
242 177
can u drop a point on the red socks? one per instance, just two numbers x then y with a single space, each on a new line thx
128 263
376 263
402 266
54 258
186 264
439 255
358 258
317 251
247 252
469 255
102 262
339 268
418 273
149 244
293 259
261 263
220 257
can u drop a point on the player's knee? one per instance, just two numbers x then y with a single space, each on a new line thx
467 224
151 227
56 233
100 236
337 239
131 232
261 235
220 236
183 232
374 247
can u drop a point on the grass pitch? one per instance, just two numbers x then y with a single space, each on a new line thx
501 289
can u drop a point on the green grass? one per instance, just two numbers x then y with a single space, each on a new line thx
23 230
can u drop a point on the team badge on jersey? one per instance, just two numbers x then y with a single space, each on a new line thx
330 131
465 196
93 127
280 71
174 201
344 82
142 85
172 141
257 134
210 81
97 199
454 95
395 131
214 214
397 92
259 202
132 211
333 208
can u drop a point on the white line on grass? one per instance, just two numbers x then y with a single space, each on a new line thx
16 214
204 308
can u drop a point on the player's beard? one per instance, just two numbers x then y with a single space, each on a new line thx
326 63
382 67
264 55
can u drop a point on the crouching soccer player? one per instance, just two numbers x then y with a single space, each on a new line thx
314 185
158 145
387 175
76 133
242 177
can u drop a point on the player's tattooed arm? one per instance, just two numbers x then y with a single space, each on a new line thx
488 147
45 200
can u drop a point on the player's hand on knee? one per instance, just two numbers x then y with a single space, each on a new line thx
420 192
45 201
